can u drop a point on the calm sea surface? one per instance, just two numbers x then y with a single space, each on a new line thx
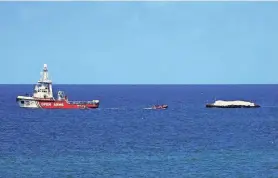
122 139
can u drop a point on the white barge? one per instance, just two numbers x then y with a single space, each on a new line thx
232 104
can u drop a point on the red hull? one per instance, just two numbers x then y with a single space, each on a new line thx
51 104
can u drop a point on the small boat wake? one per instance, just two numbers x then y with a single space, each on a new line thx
112 108
147 108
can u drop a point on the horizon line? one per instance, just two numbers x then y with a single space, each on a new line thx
142 84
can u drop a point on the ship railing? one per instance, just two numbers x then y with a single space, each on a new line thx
82 102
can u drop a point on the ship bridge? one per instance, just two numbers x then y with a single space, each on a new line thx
43 88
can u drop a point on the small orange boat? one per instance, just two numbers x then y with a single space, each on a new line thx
164 106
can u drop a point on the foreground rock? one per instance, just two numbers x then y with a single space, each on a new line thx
232 104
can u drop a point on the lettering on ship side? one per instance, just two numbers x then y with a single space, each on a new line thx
81 106
58 104
45 104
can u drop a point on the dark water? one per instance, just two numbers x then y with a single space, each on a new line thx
121 139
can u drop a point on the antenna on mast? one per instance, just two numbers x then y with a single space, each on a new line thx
45 67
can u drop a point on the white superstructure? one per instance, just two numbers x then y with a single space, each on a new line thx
43 88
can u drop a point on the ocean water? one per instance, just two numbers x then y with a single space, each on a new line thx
122 139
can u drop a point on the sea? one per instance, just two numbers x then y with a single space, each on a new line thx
124 138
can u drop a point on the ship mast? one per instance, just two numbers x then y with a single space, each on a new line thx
44 75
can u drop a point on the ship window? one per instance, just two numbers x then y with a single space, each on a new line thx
22 102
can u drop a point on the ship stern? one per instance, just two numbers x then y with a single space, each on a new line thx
26 102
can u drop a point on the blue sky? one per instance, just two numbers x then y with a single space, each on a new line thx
140 42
